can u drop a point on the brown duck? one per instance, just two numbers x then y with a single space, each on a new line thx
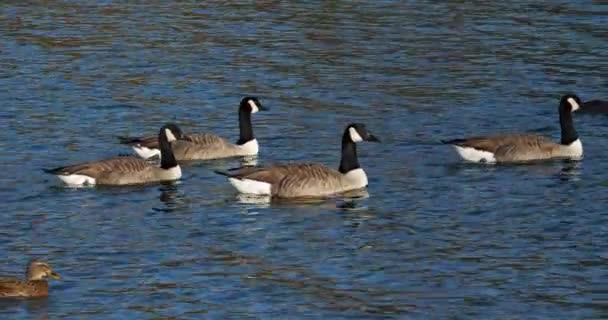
34 285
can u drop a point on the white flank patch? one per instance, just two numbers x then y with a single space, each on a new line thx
77 179
575 149
254 107
250 186
357 178
573 103
170 136
146 153
250 148
475 155
175 172
354 135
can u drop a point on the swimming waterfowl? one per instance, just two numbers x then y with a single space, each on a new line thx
34 285
126 170
206 146
525 147
595 106
307 179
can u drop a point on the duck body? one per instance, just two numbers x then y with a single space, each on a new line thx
300 180
126 170
595 106
13 287
115 171
297 180
195 147
514 148
34 285
205 146
523 147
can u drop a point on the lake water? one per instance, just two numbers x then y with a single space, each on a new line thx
435 238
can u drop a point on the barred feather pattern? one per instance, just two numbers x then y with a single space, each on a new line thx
13 287
119 171
197 147
517 147
299 180
205 147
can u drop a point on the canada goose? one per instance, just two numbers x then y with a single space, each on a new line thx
525 147
34 285
126 170
595 106
206 146
307 179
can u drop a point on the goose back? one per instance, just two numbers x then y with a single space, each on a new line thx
300 179
120 171
209 146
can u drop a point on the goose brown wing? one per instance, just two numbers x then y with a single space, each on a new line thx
310 180
205 140
96 168
492 143
272 174
525 148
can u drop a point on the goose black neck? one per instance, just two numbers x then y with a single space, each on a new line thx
349 159
569 134
167 158
246 131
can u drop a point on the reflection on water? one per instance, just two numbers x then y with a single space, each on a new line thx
170 196
347 201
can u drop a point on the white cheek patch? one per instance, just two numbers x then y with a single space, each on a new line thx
146 153
573 103
354 135
254 107
170 136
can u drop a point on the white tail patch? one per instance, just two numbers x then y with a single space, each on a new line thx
475 155
354 135
573 103
170 136
254 107
250 148
146 153
249 186
77 179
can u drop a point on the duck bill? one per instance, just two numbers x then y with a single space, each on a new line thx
55 276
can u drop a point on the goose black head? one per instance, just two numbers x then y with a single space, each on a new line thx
570 102
251 105
357 132
171 131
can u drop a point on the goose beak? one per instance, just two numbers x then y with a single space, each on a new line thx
372 138
54 276
261 107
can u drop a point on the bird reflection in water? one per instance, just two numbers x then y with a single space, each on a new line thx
350 200
249 161
171 197
570 171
